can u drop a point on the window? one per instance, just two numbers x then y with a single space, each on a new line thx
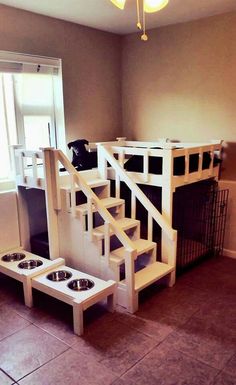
30 96
8 133
35 110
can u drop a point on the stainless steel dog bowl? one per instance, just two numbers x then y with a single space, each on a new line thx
13 257
59 275
80 284
30 264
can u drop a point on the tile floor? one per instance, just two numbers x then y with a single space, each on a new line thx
180 336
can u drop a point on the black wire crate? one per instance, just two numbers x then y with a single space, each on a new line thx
199 217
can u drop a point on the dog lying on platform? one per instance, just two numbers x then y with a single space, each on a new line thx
82 159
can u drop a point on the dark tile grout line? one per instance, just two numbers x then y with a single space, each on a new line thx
7 374
220 371
185 354
132 366
17 331
45 363
159 343
58 338
53 335
71 346
31 323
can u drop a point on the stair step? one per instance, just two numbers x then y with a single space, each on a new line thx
150 274
98 182
124 223
142 245
92 183
107 202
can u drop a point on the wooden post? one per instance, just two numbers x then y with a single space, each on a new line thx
51 194
102 163
15 159
131 295
167 202
23 217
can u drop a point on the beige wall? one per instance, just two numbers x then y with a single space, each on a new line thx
9 226
182 84
91 68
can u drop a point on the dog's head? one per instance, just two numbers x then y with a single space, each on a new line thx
78 146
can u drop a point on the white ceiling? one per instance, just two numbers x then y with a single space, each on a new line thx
103 15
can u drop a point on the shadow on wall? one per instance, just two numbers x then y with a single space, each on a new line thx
228 171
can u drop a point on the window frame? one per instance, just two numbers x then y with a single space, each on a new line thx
13 62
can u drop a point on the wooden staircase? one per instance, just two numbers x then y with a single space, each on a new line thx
147 270
109 237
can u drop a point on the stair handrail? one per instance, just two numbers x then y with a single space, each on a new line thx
106 153
86 189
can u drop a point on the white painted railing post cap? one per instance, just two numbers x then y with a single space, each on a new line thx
16 146
217 141
168 146
46 148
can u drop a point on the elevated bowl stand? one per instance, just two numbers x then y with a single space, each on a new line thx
37 278
80 300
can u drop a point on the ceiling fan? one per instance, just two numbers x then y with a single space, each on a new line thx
145 6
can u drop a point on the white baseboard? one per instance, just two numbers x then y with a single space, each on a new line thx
229 253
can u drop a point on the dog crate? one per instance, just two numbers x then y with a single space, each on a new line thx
199 216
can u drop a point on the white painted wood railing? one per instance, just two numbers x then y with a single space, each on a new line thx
26 165
105 156
168 151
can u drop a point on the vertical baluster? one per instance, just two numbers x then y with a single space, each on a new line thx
107 242
90 218
212 161
72 194
133 205
150 227
121 158
22 166
117 186
35 169
186 173
145 166
200 159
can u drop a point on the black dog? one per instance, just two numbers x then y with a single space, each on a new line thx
82 159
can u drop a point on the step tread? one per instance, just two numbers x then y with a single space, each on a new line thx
92 183
124 223
151 274
142 246
98 182
107 202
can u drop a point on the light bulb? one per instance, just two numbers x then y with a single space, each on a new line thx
119 3
154 5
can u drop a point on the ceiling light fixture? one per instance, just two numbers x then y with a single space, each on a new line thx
145 6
